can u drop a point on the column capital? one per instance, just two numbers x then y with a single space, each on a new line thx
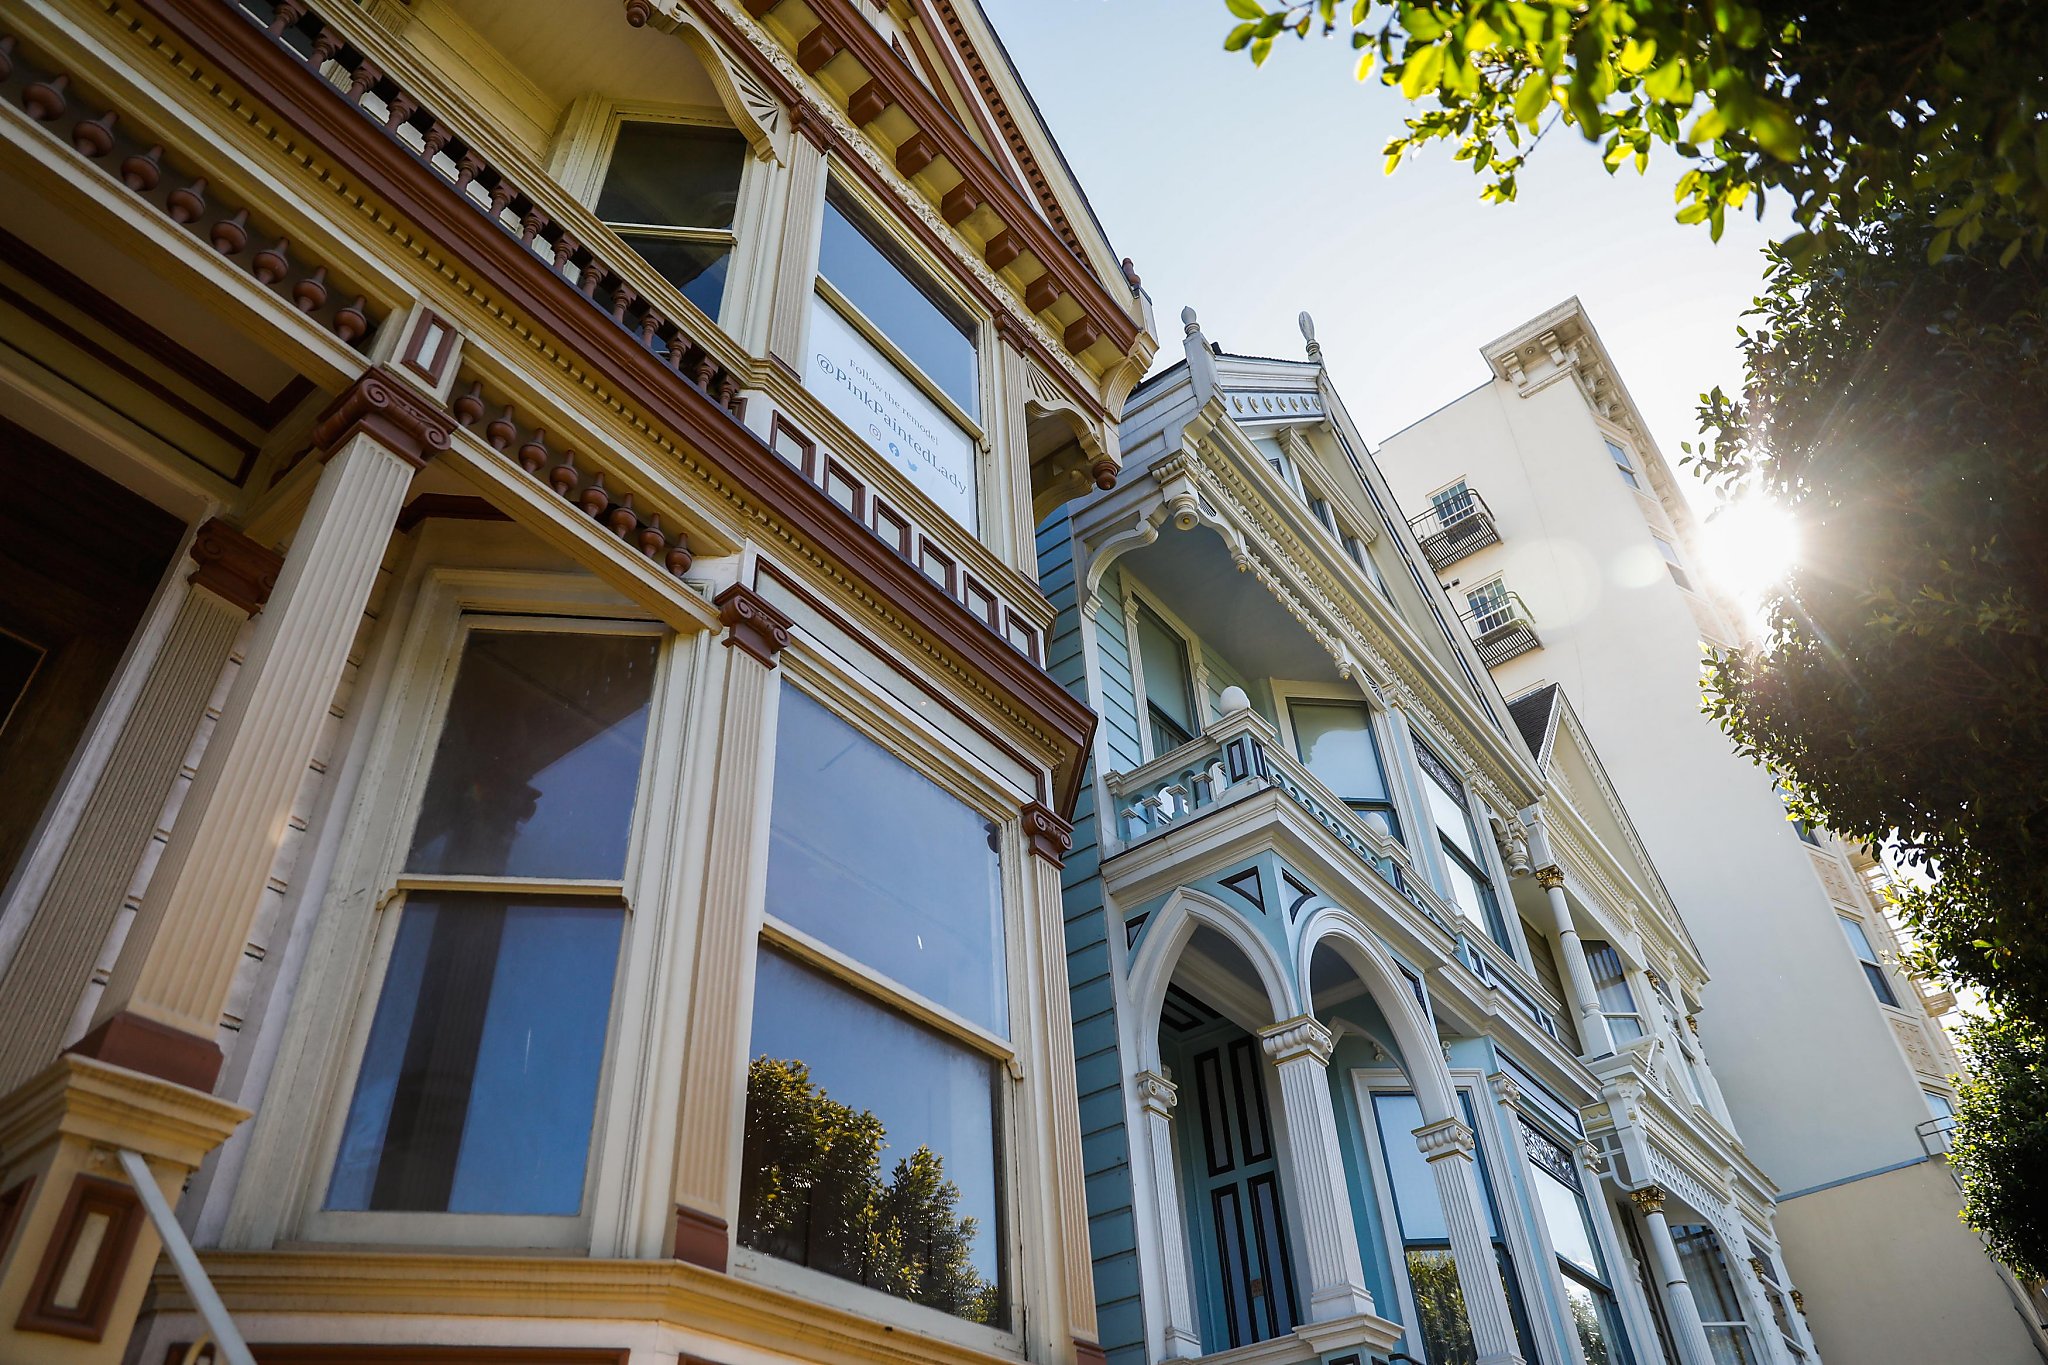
1298 1037
233 567
1649 1199
1156 1094
1550 877
1798 1301
1046 834
1444 1139
390 411
751 624
1506 1089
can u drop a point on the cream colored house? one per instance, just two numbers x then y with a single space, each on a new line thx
1560 530
534 801
1382 1011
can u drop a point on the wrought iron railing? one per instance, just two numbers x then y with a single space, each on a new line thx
1454 528
1501 629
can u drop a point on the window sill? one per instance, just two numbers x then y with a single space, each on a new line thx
557 1288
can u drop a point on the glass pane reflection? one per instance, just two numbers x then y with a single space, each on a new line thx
535 772
870 1148
479 1082
874 858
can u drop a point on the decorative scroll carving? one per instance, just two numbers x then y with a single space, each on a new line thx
234 567
391 412
751 624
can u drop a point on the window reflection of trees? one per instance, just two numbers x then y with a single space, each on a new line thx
813 1193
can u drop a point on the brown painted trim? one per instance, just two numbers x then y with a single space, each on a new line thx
447 507
1046 834
883 63
286 400
423 327
914 154
391 412
87 1319
217 34
941 698
233 566
144 1045
12 1202
701 1238
752 624
1088 1353
335 1354
173 355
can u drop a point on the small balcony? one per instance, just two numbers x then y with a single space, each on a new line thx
1502 630
1455 528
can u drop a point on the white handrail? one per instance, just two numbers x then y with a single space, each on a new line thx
227 1340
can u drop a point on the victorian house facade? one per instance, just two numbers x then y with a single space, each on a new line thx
1544 504
534 799
1382 1013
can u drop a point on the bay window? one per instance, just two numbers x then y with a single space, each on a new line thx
873 1147
1335 741
671 191
896 359
477 1088
1761 1261
1610 983
1471 888
1715 1294
1582 1270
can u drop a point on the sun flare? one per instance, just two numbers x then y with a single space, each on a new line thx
1750 546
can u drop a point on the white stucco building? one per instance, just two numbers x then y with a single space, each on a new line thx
1561 532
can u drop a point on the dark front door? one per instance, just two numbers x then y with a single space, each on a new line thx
1236 1217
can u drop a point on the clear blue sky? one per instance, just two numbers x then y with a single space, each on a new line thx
1253 193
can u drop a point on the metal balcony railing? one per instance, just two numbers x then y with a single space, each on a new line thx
1502 630
1455 528
1934 1134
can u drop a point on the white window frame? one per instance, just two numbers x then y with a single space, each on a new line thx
1875 960
1477 811
369 876
1134 595
1632 475
583 158
1380 719
860 704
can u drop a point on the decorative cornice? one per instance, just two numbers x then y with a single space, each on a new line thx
752 624
1156 1094
234 567
1444 1139
390 412
1300 1036
1550 878
1648 1200
1046 834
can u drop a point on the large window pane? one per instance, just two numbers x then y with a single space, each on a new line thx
928 332
1335 741
1714 1293
1564 1214
872 857
1169 682
1610 982
870 1147
673 175
539 758
479 1082
1597 1323
696 268
1440 1307
1416 1204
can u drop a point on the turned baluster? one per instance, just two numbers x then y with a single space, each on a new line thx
534 453
469 406
594 498
272 262
501 430
310 293
141 171
187 202
351 322
564 477
622 518
44 100
231 234
95 137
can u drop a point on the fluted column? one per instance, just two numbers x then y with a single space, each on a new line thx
713 1096
50 968
1595 1039
1678 1300
162 1005
1048 837
1300 1049
1180 1336
802 221
1447 1147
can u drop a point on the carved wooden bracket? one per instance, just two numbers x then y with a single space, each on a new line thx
1047 836
234 567
390 411
752 624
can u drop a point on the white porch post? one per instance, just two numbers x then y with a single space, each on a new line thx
1678 1300
1447 1147
1180 1336
1300 1048
1595 1039
162 1004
